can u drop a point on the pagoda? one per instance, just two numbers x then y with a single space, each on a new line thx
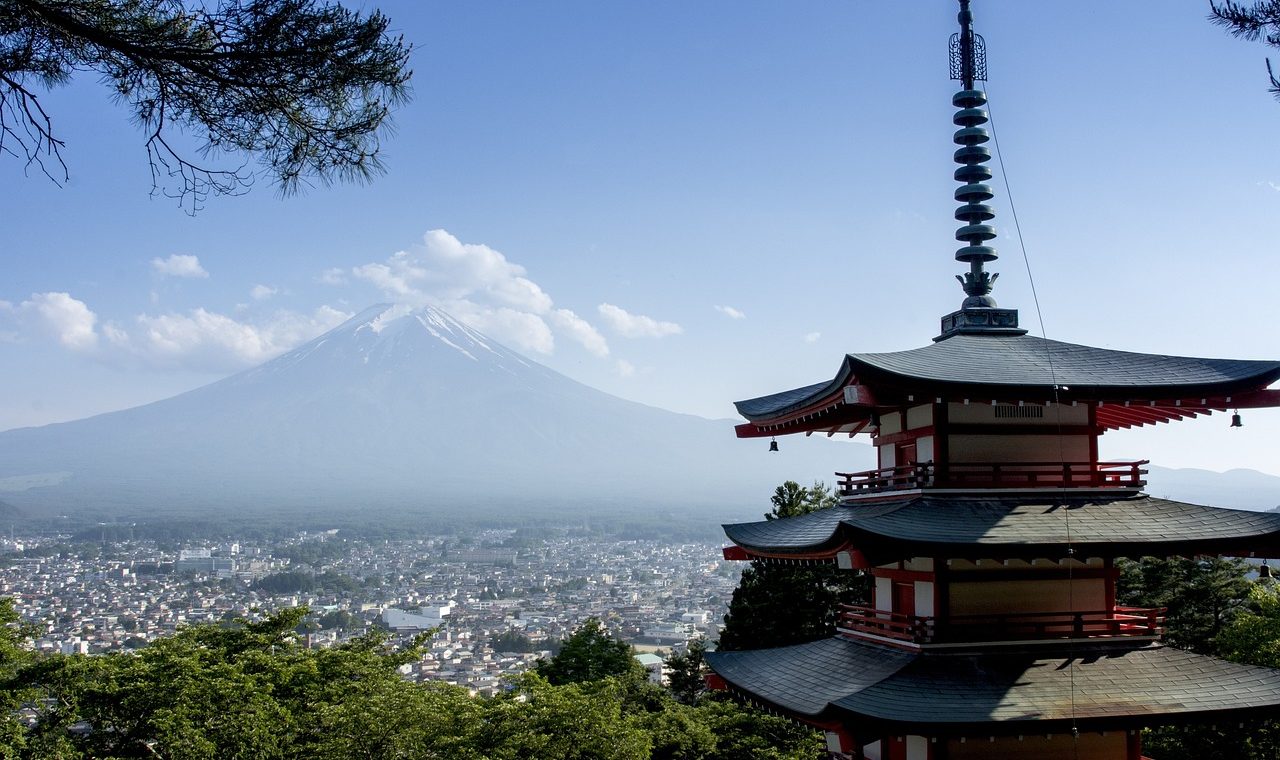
991 530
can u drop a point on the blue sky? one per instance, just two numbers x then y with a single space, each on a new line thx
686 204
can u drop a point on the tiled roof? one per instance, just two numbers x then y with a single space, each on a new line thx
1105 525
1096 687
1024 361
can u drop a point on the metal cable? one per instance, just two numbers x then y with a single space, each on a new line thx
1057 405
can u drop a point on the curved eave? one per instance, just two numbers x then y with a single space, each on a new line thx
875 689
1011 528
1151 388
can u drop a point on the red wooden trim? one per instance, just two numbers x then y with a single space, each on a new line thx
862 395
1258 399
905 436
735 553
903 575
715 682
981 428
1030 574
1093 439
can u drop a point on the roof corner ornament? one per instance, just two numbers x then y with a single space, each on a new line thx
978 312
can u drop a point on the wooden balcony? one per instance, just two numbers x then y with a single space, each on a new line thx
1121 622
995 475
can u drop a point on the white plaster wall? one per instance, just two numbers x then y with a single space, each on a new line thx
1018 448
984 413
872 751
917 748
919 416
924 598
924 449
996 596
886 456
890 423
884 594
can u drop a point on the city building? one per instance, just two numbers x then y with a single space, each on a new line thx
992 529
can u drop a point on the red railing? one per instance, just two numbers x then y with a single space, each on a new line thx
898 478
995 475
855 618
1014 626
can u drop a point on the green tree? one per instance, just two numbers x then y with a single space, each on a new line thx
743 731
685 672
1253 637
591 654
305 86
511 640
777 605
574 721
338 619
1213 609
14 656
1203 596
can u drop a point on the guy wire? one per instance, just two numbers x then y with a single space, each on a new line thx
1057 406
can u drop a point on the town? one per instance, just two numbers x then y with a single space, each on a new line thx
495 603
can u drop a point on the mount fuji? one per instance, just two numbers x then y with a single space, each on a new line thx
399 408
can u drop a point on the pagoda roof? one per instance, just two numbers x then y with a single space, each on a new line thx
1011 525
997 361
996 692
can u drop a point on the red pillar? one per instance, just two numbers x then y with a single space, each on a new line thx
1134 742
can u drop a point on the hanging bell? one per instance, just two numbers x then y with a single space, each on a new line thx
1235 420
1264 571
773 445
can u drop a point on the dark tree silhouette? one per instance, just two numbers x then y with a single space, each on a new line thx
777 605
304 87
1260 21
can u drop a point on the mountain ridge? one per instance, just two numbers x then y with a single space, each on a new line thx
395 407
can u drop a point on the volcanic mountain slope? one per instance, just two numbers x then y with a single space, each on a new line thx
405 408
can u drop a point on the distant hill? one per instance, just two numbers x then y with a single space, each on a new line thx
408 409
1238 489
9 512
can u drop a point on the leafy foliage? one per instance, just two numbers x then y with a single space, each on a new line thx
304 86
1203 596
685 672
778 605
591 654
249 690
1213 609
511 640
1253 637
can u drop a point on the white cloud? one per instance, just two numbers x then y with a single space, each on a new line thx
519 329
333 276
580 330
812 337
205 340
199 339
730 312
631 325
262 292
71 321
179 265
624 368
481 287
399 277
